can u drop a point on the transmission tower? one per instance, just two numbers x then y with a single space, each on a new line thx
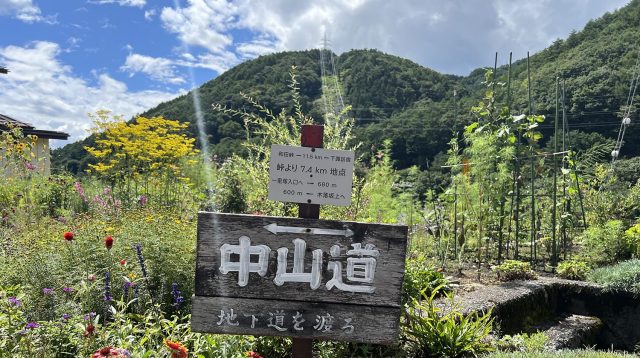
331 92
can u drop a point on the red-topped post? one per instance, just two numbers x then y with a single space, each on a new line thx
312 136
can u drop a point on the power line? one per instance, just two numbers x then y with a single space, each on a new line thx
626 117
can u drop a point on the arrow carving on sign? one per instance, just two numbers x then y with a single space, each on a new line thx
275 229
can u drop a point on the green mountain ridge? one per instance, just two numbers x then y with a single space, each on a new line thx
414 106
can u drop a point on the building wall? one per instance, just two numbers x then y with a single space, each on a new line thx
41 158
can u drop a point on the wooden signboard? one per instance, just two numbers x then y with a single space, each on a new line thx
301 278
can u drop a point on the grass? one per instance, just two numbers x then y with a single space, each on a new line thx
582 353
624 276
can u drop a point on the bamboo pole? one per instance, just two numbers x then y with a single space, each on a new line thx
554 253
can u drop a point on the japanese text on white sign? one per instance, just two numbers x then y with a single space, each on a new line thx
311 175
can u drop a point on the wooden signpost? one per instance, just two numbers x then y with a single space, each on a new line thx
303 278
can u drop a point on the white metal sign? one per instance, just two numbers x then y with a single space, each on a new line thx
311 175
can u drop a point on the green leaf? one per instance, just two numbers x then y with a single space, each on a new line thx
471 127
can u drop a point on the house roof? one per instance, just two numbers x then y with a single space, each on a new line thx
28 129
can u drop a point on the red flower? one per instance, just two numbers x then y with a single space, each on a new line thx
123 262
89 330
103 352
68 236
109 351
178 350
108 242
252 354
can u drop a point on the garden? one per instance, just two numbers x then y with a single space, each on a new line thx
103 264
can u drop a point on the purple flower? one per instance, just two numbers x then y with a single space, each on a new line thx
123 352
68 289
29 166
143 267
80 191
142 200
66 316
107 286
126 286
89 316
177 296
14 301
32 325
47 291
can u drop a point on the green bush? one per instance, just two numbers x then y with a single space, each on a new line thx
581 353
431 331
607 243
624 276
515 270
277 347
632 235
533 342
420 281
573 270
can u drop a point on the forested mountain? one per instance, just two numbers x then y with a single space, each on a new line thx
415 106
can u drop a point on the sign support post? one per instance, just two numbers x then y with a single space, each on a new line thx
311 136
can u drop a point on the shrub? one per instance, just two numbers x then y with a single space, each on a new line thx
632 235
573 270
607 243
624 276
581 353
515 270
524 342
420 281
434 332
272 346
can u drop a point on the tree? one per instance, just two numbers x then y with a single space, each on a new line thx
139 156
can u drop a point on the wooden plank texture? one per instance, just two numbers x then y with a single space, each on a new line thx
215 230
329 321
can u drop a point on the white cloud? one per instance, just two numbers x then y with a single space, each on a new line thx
149 14
136 3
256 48
158 68
43 91
24 10
202 23
219 63
452 36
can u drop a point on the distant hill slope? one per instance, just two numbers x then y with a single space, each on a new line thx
412 105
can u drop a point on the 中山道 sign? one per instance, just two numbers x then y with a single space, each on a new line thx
293 277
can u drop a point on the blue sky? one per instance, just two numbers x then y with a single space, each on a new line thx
71 57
